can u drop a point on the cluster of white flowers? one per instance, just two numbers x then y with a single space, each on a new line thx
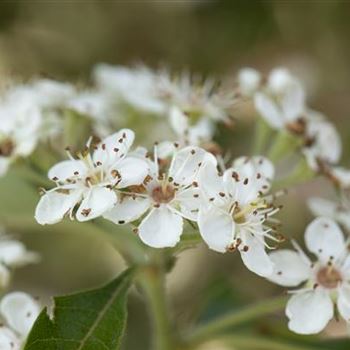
281 100
182 180
28 114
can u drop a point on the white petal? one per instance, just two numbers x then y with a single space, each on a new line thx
128 209
309 312
96 202
14 253
132 171
209 181
54 205
293 103
67 169
20 311
9 340
289 268
186 164
342 175
161 228
250 167
343 302
178 121
322 207
216 228
324 238
189 201
280 79
255 258
268 110
249 80
114 147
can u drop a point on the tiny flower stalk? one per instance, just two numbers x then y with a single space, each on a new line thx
283 145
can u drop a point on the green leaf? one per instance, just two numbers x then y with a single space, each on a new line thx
92 320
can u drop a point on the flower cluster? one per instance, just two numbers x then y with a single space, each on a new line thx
183 181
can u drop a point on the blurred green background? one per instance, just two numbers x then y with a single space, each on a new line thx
64 39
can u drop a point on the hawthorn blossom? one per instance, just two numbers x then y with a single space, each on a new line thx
165 199
282 101
34 102
322 142
337 210
135 87
88 186
325 283
19 311
235 212
13 254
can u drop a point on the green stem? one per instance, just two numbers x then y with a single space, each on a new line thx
262 136
284 144
236 318
152 281
248 342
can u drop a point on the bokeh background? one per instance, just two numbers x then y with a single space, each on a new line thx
64 39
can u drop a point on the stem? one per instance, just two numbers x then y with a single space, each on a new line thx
284 144
259 343
152 281
236 318
262 136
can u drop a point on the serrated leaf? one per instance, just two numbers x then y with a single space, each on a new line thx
92 320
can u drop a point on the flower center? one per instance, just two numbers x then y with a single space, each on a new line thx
163 194
329 277
239 215
297 127
6 147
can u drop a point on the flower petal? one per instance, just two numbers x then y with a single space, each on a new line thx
20 311
53 206
114 147
343 302
14 253
187 162
95 203
268 110
249 80
9 340
289 268
127 210
255 258
67 169
132 171
309 312
161 228
216 228
324 238
251 167
189 201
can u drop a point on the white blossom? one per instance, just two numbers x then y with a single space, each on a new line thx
323 145
324 283
235 213
19 311
13 254
282 101
166 197
90 184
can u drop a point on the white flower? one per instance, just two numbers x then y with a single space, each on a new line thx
323 144
236 213
91 181
136 87
166 196
18 137
326 281
19 311
282 102
249 81
13 254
